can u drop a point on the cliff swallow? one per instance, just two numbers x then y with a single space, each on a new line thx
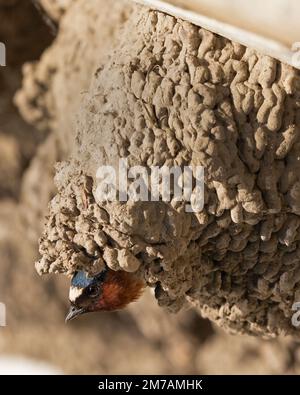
107 291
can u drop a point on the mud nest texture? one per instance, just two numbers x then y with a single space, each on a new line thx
169 94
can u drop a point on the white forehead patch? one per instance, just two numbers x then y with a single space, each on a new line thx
74 293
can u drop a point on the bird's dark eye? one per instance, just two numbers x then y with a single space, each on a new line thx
93 290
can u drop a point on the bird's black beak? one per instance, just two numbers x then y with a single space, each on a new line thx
74 312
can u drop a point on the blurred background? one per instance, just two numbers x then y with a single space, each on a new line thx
144 339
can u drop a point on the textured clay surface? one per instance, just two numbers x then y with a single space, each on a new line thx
172 93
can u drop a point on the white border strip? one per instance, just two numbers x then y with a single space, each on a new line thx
261 44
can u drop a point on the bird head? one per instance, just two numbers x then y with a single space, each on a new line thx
107 291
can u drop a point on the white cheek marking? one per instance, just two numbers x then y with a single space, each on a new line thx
74 293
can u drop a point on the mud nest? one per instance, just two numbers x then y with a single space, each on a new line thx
171 93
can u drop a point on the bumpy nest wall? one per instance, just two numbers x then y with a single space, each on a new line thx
172 93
